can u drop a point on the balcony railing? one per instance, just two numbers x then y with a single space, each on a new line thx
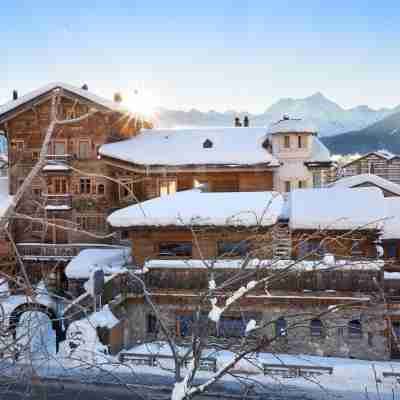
58 201
52 251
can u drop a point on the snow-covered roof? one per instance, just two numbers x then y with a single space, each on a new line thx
56 167
5 198
111 261
336 208
194 207
174 147
55 207
358 180
319 152
13 104
385 154
292 125
391 228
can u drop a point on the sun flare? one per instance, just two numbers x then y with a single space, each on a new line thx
141 102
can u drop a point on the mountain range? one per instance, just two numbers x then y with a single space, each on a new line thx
329 117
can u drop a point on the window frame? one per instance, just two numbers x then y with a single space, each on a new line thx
286 142
177 244
86 184
235 245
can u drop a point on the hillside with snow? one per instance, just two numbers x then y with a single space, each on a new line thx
328 116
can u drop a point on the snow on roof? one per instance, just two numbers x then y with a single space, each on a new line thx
227 146
11 105
292 125
385 153
109 260
391 228
5 198
194 207
319 152
357 180
55 207
336 208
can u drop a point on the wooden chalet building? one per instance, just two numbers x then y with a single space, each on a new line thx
176 240
381 163
71 189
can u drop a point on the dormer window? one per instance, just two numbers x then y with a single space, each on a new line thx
207 144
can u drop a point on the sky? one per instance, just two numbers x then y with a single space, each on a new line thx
218 54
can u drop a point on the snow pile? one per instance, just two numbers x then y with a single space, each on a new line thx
194 207
336 209
370 179
391 228
111 261
82 342
227 146
292 125
56 167
391 275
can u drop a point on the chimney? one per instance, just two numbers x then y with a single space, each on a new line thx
237 122
246 121
117 97
85 87
15 94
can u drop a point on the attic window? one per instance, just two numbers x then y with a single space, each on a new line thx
208 144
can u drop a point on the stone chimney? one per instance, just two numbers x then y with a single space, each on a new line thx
85 86
117 97
15 94
246 121
237 122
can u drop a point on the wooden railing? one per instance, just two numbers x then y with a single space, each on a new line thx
59 199
50 251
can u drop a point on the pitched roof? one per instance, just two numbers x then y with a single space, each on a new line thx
357 180
292 125
174 147
337 209
14 104
194 207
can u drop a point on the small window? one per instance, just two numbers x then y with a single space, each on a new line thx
101 189
287 186
85 185
370 339
356 249
317 179
175 249
286 144
231 327
37 192
311 248
19 145
208 144
83 149
233 249
281 327
35 155
316 328
184 325
354 329
302 184
152 324
60 186
299 142
167 186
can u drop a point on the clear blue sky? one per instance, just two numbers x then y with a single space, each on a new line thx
206 54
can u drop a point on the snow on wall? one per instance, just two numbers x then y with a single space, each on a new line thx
110 261
336 208
194 207
232 146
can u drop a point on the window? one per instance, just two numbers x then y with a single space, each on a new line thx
167 186
83 149
231 327
35 155
316 328
356 249
92 223
391 250
84 185
234 249
175 249
299 142
60 185
287 186
302 184
317 179
37 192
371 168
152 324
280 327
70 113
311 248
354 329
59 148
101 189
286 142
184 325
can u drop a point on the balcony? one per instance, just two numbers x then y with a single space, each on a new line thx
58 202
55 252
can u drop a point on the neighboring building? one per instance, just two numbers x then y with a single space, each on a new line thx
381 163
305 161
177 238
72 189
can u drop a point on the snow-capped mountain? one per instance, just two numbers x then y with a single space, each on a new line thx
329 117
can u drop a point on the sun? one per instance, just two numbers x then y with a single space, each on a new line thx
140 102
